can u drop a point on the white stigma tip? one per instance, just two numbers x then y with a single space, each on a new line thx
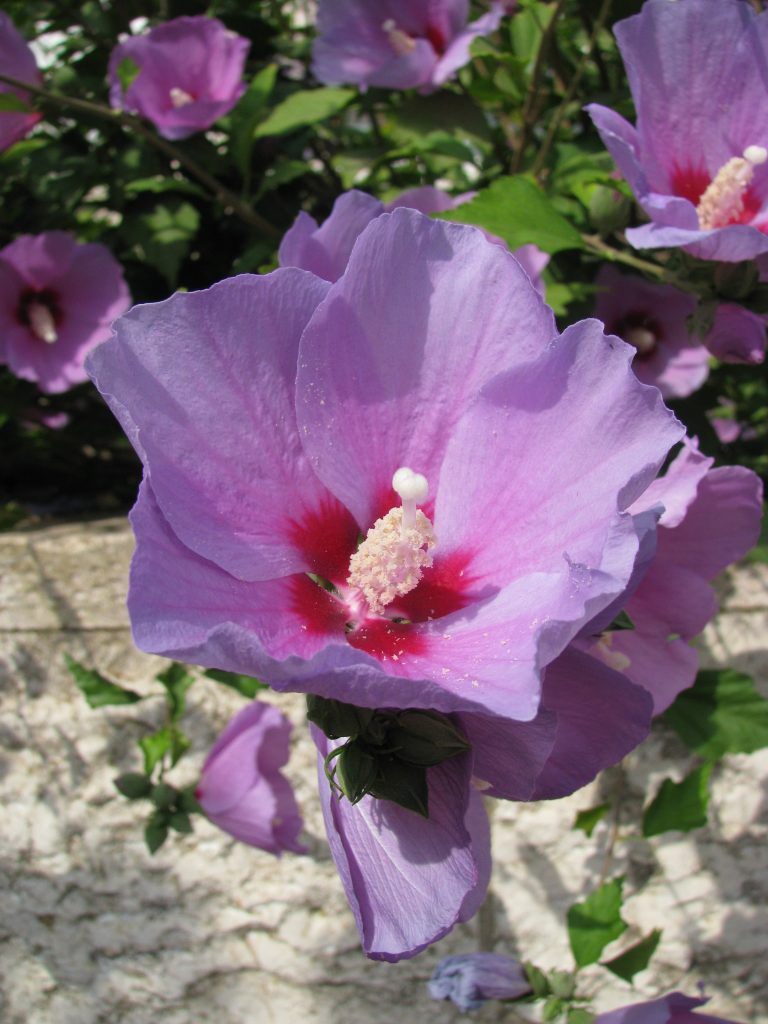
42 322
180 98
756 154
388 25
409 485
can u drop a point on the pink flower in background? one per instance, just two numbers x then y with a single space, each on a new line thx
737 335
697 160
652 318
397 44
16 61
58 299
672 1009
241 788
190 73
325 249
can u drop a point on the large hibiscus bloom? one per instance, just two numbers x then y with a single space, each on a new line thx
272 414
696 161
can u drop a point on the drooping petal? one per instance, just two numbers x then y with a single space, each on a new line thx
601 716
407 878
425 315
508 755
672 1009
737 335
203 384
675 491
662 665
473 978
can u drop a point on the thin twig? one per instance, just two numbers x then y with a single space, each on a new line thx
555 121
597 245
220 192
532 98
615 825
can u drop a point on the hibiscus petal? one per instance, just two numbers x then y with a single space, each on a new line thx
601 716
664 667
408 879
208 378
425 315
509 756
325 250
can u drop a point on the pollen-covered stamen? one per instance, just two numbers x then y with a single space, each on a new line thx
400 41
723 201
397 548
180 98
42 322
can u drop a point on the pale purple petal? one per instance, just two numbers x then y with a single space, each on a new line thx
390 858
457 54
426 199
672 1009
731 244
601 716
737 335
16 61
508 755
662 665
191 74
426 314
203 384
676 491
241 788
325 250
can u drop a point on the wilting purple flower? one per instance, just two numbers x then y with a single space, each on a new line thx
58 299
672 1009
325 249
711 518
241 788
472 979
190 74
398 44
272 413
737 335
697 159
652 318
16 61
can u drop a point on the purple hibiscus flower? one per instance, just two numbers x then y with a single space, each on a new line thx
697 159
190 73
737 335
325 249
58 299
672 1009
710 518
474 978
241 788
652 318
398 44
16 61
276 417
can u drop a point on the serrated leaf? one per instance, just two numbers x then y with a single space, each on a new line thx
635 959
176 680
518 211
679 806
98 691
721 714
587 820
246 116
595 922
133 785
303 108
246 685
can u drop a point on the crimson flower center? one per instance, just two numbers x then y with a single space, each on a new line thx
640 330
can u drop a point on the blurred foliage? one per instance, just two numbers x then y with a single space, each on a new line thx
511 127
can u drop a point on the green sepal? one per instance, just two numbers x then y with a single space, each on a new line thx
355 772
405 785
133 785
179 821
336 719
425 738
163 796
622 621
156 831
562 984
538 980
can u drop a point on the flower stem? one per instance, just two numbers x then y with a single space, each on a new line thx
220 192
597 245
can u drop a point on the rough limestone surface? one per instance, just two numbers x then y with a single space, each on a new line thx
94 929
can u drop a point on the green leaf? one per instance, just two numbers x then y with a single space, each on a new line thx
537 979
188 801
576 1015
155 747
180 822
721 714
563 984
164 235
635 959
443 111
163 796
156 831
127 70
552 1009
10 103
134 785
679 806
176 680
246 685
518 211
97 690
247 114
588 819
305 107
159 184
596 922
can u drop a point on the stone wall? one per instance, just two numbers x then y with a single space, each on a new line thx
93 929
